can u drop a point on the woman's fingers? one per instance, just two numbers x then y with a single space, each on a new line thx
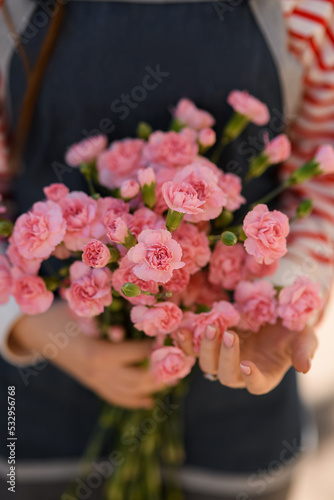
140 380
229 361
185 342
258 382
119 397
209 351
303 349
131 352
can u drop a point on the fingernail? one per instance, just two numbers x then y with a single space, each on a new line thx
181 336
228 339
246 370
309 364
210 332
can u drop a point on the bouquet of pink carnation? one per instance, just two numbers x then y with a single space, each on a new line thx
153 248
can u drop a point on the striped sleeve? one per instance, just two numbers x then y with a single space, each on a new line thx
310 25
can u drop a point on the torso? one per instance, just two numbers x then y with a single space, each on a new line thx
103 52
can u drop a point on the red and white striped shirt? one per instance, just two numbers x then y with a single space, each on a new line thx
310 26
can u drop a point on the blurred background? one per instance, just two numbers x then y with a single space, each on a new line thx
315 474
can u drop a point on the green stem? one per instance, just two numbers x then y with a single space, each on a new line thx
275 192
218 150
94 447
232 130
91 186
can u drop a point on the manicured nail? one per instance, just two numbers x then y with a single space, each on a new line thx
210 332
181 336
228 339
309 364
246 370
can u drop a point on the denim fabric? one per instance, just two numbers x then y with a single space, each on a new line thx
105 51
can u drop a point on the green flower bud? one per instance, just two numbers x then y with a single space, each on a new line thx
176 125
235 126
225 219
304 173
144 130
86 169
51 283
304 209
6 228
228 238
114 254
131 290
130 241
116 305
258 166
173 220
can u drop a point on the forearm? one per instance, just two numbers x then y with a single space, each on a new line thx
53 336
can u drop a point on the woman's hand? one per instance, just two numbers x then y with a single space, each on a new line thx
255 361
110 370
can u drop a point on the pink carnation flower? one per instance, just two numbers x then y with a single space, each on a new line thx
278 150
298 302
95 254
190 133
90 290
170 364
179 281
117 230
146 176
227 265
120 162
231 186
201 292
325 157
222 316
182 197
56 192
255 270
107 209
163 175
6 280
31 294
169 149
245 104
188 114
205 182
26 266
256 303
207 137
79 211
129 189
161 318
266 234
86 150
144 218
37 233
61 252
195 247
125 274
156 255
